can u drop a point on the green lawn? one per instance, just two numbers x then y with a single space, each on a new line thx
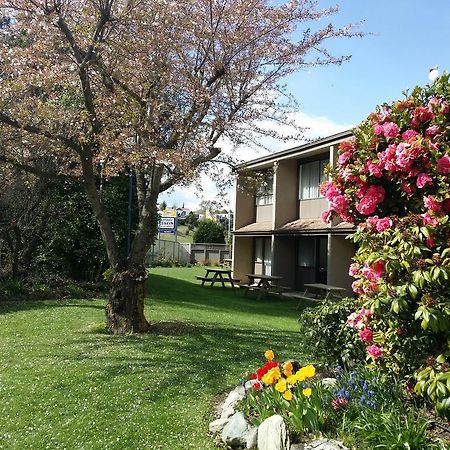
66 384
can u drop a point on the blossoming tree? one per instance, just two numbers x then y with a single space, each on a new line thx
392 182
149 88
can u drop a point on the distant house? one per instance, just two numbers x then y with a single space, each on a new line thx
278 225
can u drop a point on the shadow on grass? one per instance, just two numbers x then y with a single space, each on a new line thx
8 307
176 292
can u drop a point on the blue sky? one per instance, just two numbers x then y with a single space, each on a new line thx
409 37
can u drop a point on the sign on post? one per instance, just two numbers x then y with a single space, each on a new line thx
168 222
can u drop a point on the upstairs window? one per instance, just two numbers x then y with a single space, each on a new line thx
264 191
311 177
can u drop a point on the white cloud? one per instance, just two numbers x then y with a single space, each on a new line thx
315 127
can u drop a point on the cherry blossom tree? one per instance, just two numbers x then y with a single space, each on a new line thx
149 88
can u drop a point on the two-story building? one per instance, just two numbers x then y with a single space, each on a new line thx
278 225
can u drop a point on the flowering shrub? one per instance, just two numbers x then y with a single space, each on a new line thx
392 181
286 389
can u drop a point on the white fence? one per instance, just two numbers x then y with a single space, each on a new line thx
188 253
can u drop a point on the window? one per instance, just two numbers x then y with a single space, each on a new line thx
263 254
311 177
264 192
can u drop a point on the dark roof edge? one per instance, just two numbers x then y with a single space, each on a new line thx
299 148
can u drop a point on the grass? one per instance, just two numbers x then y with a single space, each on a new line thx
64 383
182 238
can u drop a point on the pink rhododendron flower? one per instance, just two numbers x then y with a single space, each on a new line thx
372 222
443 165
432 131
383 224
356 287
354 270
387 158
428 220
372 197
370 288
438 105
358 320
374 169
408 134
378 129
421 114
326 215
390 130
344 157
366 335
406 187
432 204
378 268
423 179
375 351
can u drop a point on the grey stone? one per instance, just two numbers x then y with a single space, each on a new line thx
297 447
325 444
235 431
251 440
216 426
228 406
272 434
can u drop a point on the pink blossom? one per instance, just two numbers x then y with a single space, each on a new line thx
372 197
372 222
428 220
354 270
406 187
339 203
387 158
443 165
378 268
326 215
344 157
383 224
420 115
409 134
375 351
423 179
432 131
370 288
431 203
366 335
391 130
375 170
356 287
378 129
438 105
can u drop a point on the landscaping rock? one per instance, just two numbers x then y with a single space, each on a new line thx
233 397
252 439
235 431
297 447
325 444
216 426
272 434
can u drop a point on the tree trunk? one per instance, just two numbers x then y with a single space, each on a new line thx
125 309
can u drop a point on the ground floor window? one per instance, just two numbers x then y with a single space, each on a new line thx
263 255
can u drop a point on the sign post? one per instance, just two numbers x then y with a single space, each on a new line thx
168 225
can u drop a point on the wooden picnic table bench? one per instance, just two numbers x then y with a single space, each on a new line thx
267 284
218 275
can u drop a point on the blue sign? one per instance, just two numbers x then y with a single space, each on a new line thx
168 225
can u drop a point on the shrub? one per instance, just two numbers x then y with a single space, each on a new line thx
209 232
392 182
327 333
10 288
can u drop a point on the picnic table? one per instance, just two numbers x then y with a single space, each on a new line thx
218 275
267 284
326 290
227 262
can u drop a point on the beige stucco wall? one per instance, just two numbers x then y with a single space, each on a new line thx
244 205
340 252
312 209
283 259
242 257
264 213
285 192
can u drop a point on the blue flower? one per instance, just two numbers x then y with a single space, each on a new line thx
370 394
371 404
362 400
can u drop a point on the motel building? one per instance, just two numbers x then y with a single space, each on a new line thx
278 225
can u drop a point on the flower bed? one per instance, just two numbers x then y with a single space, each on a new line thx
286 406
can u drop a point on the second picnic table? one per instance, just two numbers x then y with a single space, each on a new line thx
217 275
267 284
323 289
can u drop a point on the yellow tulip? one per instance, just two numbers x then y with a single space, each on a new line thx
310 371
292 380
287 395
307 392
288 368
281 386
269 355
300 375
